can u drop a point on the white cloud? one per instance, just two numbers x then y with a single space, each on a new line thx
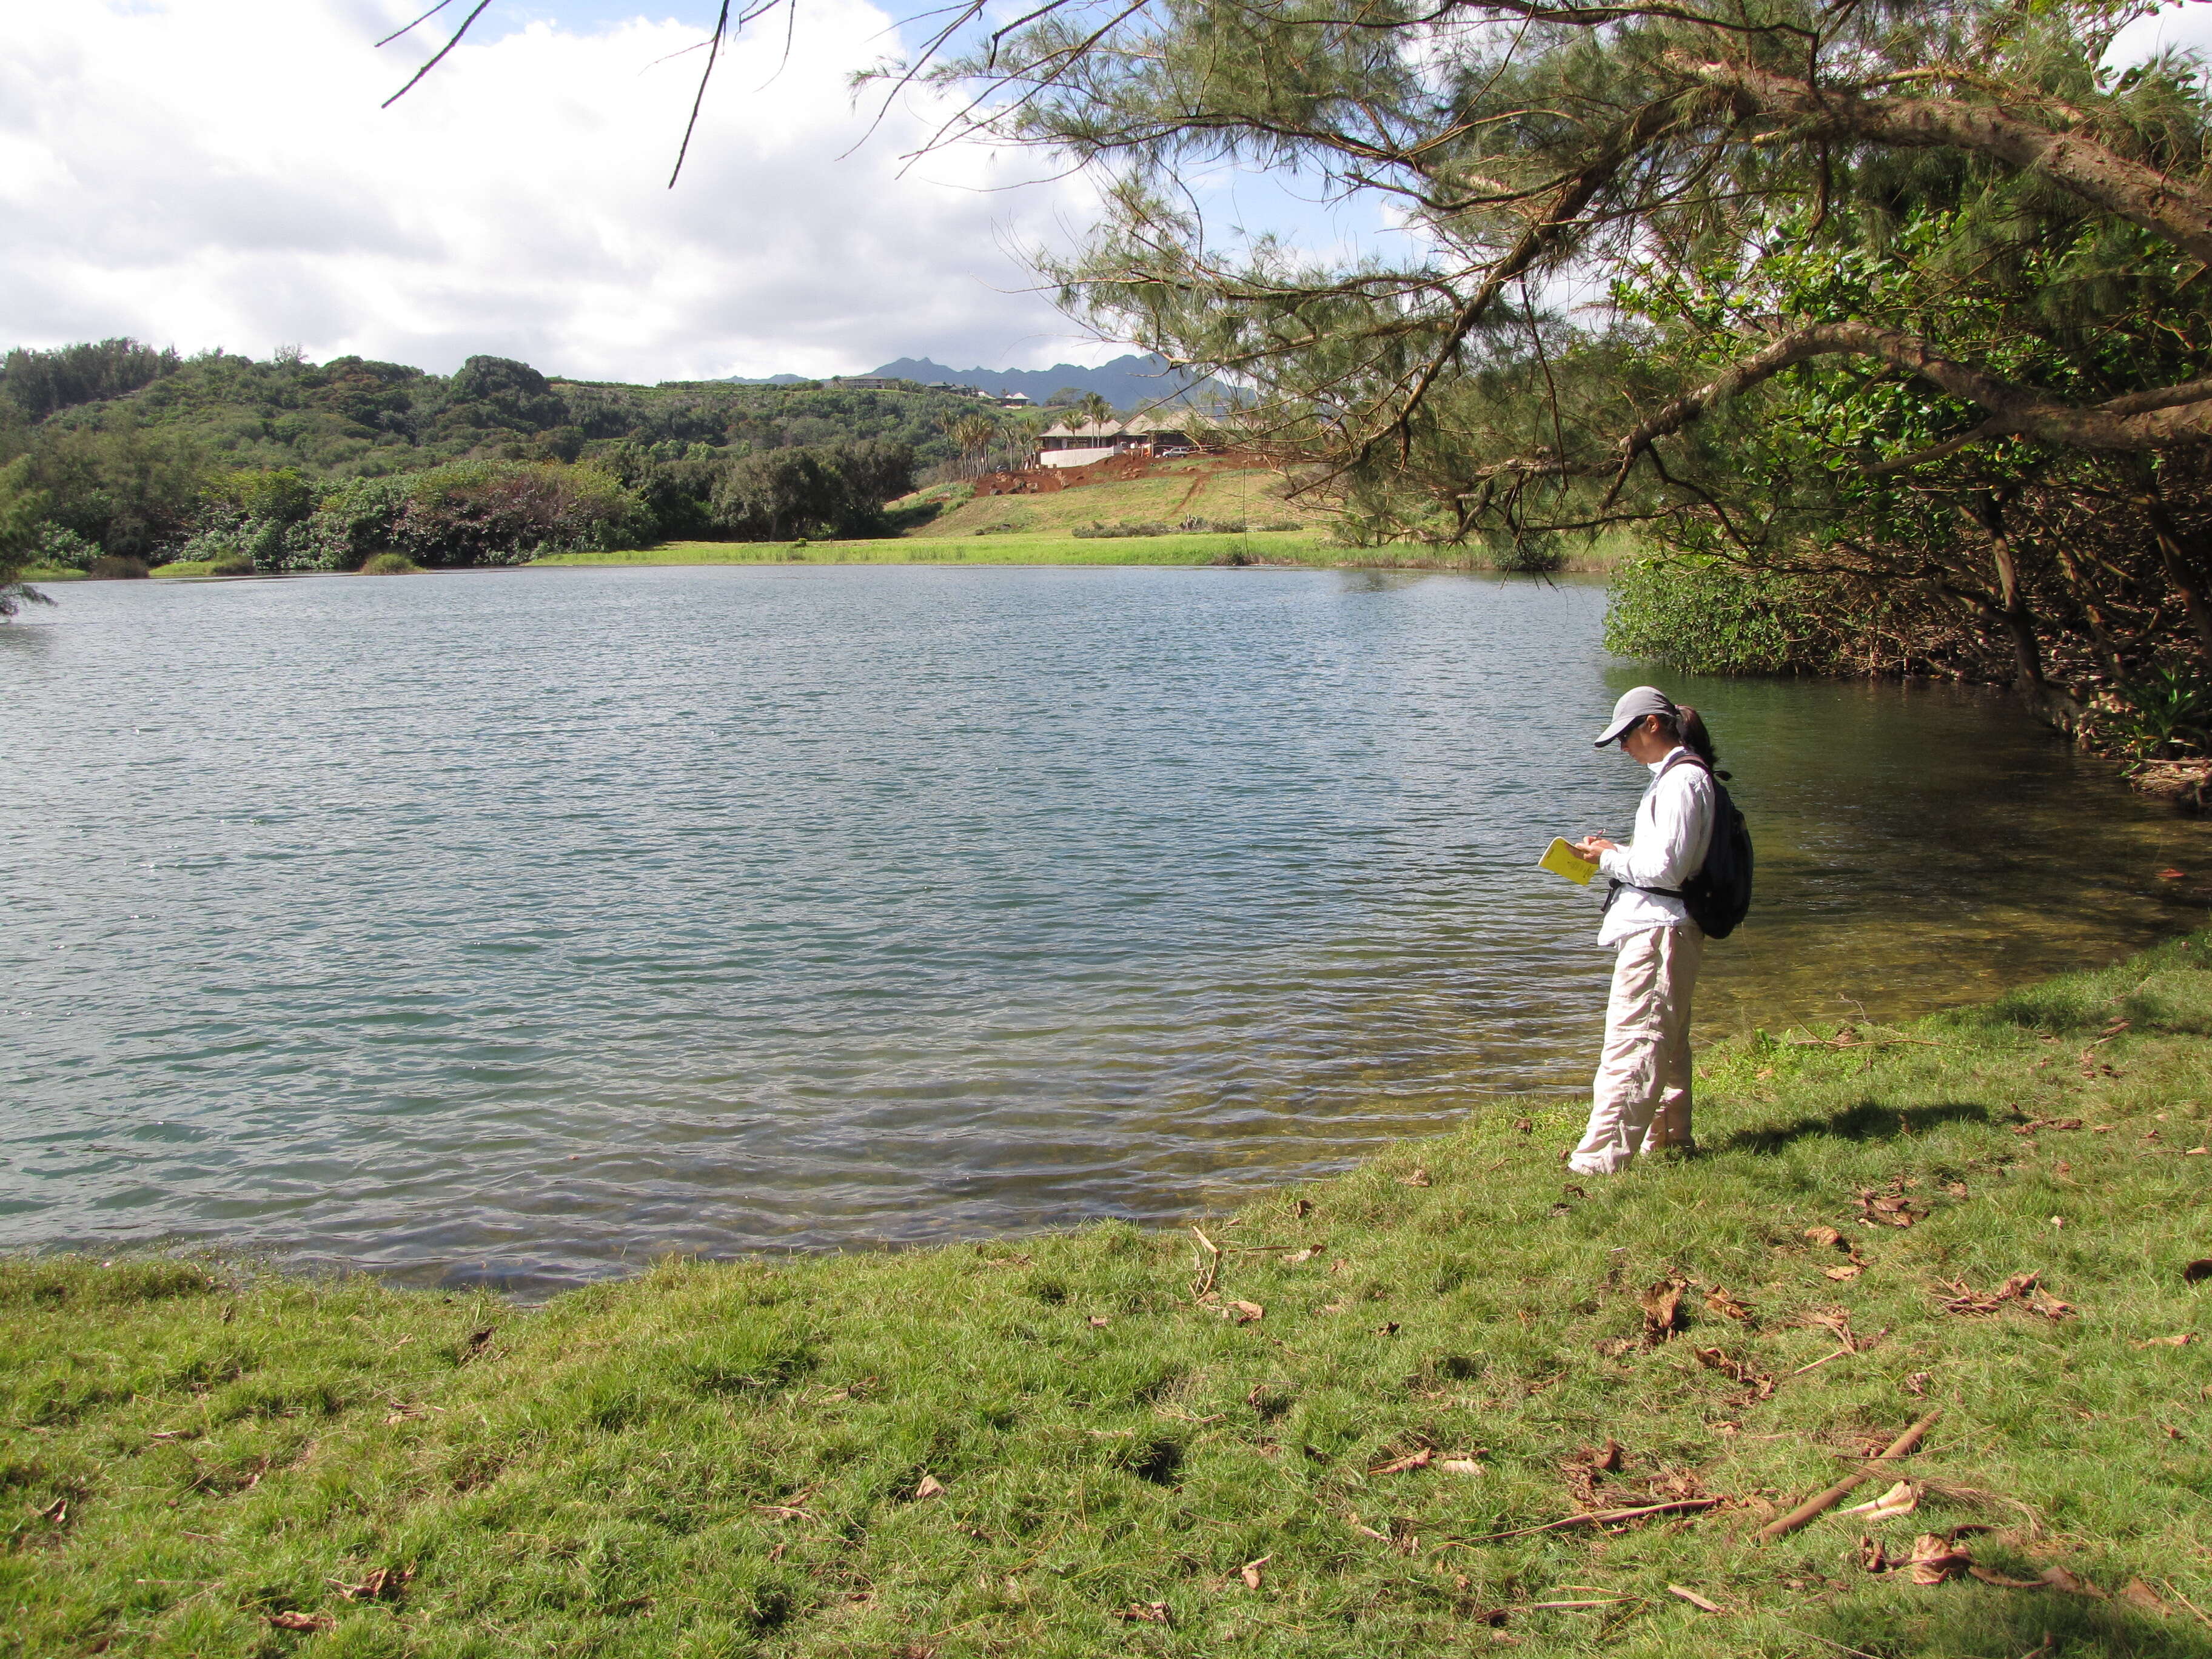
218 172
2178 27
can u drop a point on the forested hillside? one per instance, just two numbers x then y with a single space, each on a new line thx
116 449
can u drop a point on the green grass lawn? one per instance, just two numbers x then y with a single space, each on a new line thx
1171 493
1115 1441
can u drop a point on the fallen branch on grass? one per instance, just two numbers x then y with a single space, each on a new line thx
1822 1502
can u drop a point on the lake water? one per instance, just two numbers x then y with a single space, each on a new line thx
519 927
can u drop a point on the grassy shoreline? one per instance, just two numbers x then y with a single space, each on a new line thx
1283 548
1111 1441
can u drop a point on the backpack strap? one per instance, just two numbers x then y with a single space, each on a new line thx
1684 753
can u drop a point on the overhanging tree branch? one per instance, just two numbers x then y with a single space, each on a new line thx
2158 200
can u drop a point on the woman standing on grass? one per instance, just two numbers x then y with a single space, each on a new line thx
1640 1101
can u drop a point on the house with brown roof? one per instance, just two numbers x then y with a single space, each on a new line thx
1072 444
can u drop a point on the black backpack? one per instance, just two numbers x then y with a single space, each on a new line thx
1717 897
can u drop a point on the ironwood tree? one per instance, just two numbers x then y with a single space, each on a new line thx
1883 326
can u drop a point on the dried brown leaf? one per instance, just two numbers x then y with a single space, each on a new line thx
2140 1596
1603 1460
380 1581
303 1621
1147 1612
1301 1208
1714 1359
2180 1341
1848 1270
1935 1559
1524 1126
1412 1460
1662 1310
1900 1499
1419 1178
1694 1599
2058 1578
2022 1290
1826 1238
1097 1321
1719 1302
930 1486
1465 1463
1991 1576
1249 1572
1242 1313
1872 1557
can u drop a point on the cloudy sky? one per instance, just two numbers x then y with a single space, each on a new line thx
217 172
204 172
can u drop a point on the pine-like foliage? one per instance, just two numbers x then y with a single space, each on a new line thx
1886 323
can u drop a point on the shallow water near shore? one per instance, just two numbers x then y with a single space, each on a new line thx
520 927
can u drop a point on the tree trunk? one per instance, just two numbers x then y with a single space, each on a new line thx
2182 552
2058 707
2084 596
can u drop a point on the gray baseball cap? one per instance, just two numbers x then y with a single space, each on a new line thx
1633 705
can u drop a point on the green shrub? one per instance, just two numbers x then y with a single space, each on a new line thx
1701 617
2167 713
57 547
1120 528
389 565
116 567
1523 552
477 512
233 545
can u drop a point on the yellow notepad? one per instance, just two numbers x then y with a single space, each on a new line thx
1560 859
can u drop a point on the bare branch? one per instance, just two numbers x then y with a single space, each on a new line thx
442 51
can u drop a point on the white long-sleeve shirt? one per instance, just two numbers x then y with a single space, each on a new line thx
1673 826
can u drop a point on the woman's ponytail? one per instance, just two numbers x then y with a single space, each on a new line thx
1690 727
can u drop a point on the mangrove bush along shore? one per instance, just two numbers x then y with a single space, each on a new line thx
1446 1403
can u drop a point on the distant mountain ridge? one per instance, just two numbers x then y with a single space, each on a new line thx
1128 382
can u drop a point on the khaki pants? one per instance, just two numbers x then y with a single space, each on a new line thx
1640 1101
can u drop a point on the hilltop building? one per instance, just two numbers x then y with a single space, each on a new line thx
1069 444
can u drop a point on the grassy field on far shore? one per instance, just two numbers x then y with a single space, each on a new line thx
1375 1416
1181 548
1177 548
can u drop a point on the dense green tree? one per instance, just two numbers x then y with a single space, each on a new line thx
131 487
23 510
836 490
38 383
